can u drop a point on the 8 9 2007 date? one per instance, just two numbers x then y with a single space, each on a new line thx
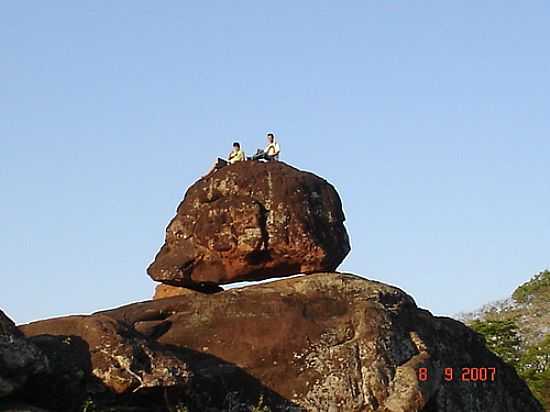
462 374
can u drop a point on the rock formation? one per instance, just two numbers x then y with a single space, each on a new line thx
323 342
97 354
20 360
163 291
252 221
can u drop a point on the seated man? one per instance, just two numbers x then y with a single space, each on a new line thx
271 151
236 155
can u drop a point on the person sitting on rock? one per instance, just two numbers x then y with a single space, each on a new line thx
271 151
236 155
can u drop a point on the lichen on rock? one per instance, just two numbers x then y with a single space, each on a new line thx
252 221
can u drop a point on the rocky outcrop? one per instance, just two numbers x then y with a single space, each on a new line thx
98 354
20 360
323 342
252 221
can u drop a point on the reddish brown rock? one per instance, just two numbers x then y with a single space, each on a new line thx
163 291
323 342
328 342
252 221
166 291
106 351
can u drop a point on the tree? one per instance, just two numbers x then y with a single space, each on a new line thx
534 367
532 363
501 336
539 285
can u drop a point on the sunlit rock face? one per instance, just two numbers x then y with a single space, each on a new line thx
327 342
252 221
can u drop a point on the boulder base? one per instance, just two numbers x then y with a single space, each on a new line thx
323 342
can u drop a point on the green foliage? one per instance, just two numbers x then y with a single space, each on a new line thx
534 367
88 406
501 337
540 284
532 363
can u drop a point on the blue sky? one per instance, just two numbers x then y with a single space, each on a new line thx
431 119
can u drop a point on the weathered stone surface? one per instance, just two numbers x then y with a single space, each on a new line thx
19 359
322 342
329 342
119 358
163 291
252 221
7 326
101 359
97 356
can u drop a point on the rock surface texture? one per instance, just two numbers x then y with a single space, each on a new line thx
322 342
163 291
97 354
252 221
20 360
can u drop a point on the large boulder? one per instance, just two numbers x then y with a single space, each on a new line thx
251 221
324 342
20 360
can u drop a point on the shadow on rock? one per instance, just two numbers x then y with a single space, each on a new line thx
211 383
70 380
221 385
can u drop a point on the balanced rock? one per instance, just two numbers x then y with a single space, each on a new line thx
252 221
324 342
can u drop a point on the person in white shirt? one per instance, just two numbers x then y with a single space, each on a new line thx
271 151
